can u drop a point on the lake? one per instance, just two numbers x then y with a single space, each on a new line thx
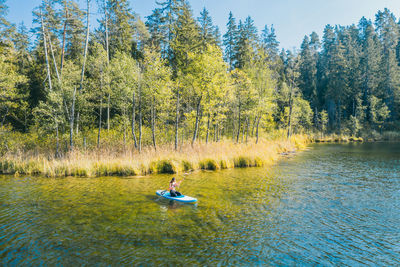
333 204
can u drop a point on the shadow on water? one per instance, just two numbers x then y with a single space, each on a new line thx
169 203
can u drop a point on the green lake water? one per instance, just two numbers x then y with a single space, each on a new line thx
335 204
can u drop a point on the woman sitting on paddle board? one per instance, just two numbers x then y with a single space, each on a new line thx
172 187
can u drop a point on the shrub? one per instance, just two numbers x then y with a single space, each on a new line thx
187 165
242 162
162 166
258 162
223 164
208 164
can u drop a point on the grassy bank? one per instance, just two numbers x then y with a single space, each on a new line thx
368 136
337 139
214 156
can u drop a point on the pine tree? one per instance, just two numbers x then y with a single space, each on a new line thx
230 39
217 36
247 42
315 44
369 62
388 33
323 66
6 28
186 37
270 43
154 24
208 32
120 26
337 88
21 39
161 26
308 72
72 32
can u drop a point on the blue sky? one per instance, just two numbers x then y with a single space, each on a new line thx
292 19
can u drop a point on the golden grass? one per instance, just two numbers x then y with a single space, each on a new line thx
337 139
213 156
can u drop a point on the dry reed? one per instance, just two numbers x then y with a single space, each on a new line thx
108 162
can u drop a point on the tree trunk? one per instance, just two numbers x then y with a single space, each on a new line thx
57 143
254 125
289 131
106 28
316 123
238 130
86 44
258 123
133 120
84 58
243 131
64 37
153 122
247 128
196 126
233 129
45 52
108 112
108 63
71 121
215 133
200 123
124 130
218 132
208 127
4 117
140 119
100 113
54 59
77 121
177 120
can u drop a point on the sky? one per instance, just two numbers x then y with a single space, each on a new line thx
292 19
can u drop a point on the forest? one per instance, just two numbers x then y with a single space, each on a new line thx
172 78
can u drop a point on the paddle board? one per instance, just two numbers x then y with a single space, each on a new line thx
182 198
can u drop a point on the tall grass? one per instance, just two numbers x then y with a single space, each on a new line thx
335 138
109 162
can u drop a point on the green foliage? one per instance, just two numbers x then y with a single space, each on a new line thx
163 166
243 162
209 164
186 36
379 112
11 96
166 78
323 121
230 41
113 169
187 165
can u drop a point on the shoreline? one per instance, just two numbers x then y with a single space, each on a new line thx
212 156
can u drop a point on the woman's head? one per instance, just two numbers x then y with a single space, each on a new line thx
172 180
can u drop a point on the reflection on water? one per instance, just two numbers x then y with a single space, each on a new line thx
330 205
